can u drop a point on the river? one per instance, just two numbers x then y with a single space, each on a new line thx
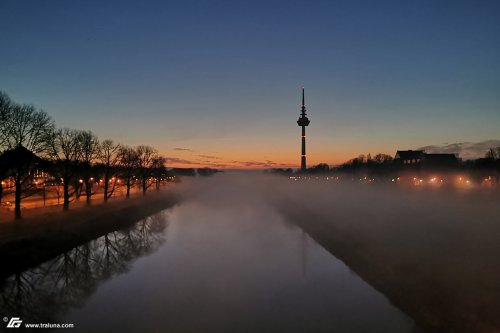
210 264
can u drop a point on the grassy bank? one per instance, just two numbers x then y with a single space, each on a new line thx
434 254
38 238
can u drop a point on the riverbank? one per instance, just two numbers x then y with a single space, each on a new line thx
38 238
434 254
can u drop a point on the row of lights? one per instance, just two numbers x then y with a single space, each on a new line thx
91 179
416 181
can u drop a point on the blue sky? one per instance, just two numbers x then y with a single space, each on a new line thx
223 78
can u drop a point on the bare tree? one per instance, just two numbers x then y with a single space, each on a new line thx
19 164
494 155
146 156
5 110
66 153
89 145
129 161
383 158
109 157
27 127
24 133
158 169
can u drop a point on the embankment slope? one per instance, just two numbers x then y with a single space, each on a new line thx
433 253
31 241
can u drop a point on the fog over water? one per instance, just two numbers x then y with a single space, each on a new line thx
232 262
232 257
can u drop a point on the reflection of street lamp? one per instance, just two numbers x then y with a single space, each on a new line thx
44 193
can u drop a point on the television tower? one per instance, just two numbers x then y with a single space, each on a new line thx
303 122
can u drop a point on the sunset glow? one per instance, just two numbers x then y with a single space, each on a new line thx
223 80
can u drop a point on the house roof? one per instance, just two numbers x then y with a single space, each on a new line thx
441 158
17 157
409 154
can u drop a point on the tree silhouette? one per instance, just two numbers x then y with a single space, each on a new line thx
45 292
89 145
30 145
66 152
5 110
128 159
383 158
493 154
109 155
24 134
205 172
19 164
318 169
146 156
158 169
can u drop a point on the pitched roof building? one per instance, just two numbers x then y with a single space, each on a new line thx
419 159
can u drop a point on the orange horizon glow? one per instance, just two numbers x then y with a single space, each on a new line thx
256 161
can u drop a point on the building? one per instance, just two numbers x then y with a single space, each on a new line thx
409 158
420 160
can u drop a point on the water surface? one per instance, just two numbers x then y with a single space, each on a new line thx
207 265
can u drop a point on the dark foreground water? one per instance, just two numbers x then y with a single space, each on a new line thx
205 266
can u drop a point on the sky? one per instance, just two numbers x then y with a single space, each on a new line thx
217 83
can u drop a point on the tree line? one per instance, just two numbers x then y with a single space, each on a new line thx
35 152
380 163
383 168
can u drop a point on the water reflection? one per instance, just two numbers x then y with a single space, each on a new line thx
237 268
44 293
230 262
